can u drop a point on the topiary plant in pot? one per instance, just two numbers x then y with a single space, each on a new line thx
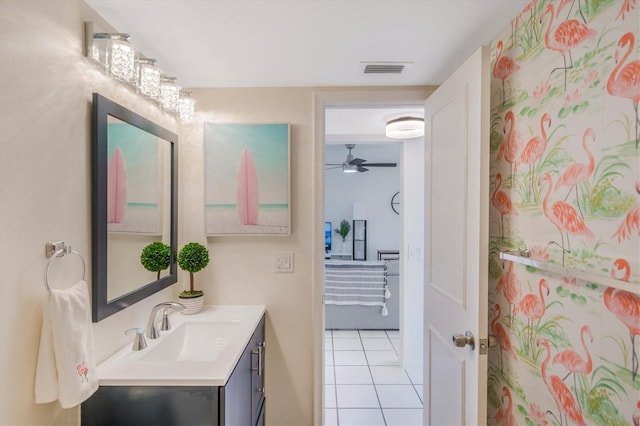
156 257
193 257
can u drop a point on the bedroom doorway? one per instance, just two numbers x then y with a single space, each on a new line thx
373 354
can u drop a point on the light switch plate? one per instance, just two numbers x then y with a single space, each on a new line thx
283 261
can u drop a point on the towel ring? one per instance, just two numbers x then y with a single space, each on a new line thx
58 253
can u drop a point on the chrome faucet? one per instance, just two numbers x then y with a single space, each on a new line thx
152 327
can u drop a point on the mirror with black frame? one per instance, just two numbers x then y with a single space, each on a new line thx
134 207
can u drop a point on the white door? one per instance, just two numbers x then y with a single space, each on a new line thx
456 245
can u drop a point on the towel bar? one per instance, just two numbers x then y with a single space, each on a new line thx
59 249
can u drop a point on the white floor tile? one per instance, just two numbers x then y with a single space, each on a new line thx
331 417
403 416
328 344
376 344
420 390
329 377
389 375
416 376
395 341
378 334
347 344
397 396
382 358
338 334
329 396
349 358
393 333
328 357
360 417
357 396
353 375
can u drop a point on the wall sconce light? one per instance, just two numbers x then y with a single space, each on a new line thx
123 62
405 128
148 80
169 94
186 106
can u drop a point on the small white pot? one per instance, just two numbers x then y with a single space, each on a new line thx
193 304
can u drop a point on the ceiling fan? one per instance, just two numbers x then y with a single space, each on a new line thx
352 165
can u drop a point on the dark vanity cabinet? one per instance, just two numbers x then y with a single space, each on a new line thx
240 402
242 398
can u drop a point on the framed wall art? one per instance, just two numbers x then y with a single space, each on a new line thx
247 179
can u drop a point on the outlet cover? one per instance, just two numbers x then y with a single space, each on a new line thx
283 261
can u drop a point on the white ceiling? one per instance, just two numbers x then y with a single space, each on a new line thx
287 43
278 43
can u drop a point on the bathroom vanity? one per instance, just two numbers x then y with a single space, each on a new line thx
207 370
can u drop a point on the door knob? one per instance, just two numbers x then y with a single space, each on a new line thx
461 341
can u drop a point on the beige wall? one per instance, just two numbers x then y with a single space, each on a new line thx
45 95
45 115
240 270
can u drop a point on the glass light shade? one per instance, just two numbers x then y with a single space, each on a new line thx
169 94
350 168
186 106
121 59
99 47
148 79
405 128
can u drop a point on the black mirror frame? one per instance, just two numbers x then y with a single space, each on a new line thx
101 308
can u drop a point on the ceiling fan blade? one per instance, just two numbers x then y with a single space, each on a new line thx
380 164
334 167
357 161
362 169
333 164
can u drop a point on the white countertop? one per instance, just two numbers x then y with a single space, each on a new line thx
133 368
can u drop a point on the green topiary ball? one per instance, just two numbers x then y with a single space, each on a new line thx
155 257
193 257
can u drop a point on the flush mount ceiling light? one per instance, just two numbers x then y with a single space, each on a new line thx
405 128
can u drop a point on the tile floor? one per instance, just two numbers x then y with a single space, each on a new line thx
364 384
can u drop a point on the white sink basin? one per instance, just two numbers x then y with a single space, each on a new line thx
200 350
193 341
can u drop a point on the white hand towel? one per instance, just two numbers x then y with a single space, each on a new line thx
66 368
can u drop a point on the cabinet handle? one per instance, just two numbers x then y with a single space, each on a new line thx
260 353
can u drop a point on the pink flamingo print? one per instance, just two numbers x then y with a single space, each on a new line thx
504 416
569 34
573 362
624 80
502 203
573 3
630 221
636 415
533 307
509 284
534 149
560 393
564 217
502 336
512 142
625 306
627 6
82 372
578 172
503 67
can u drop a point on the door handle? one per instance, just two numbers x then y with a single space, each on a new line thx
463 340
260 353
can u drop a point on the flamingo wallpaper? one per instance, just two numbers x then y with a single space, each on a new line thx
565 179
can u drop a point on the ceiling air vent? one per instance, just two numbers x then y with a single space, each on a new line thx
384 67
